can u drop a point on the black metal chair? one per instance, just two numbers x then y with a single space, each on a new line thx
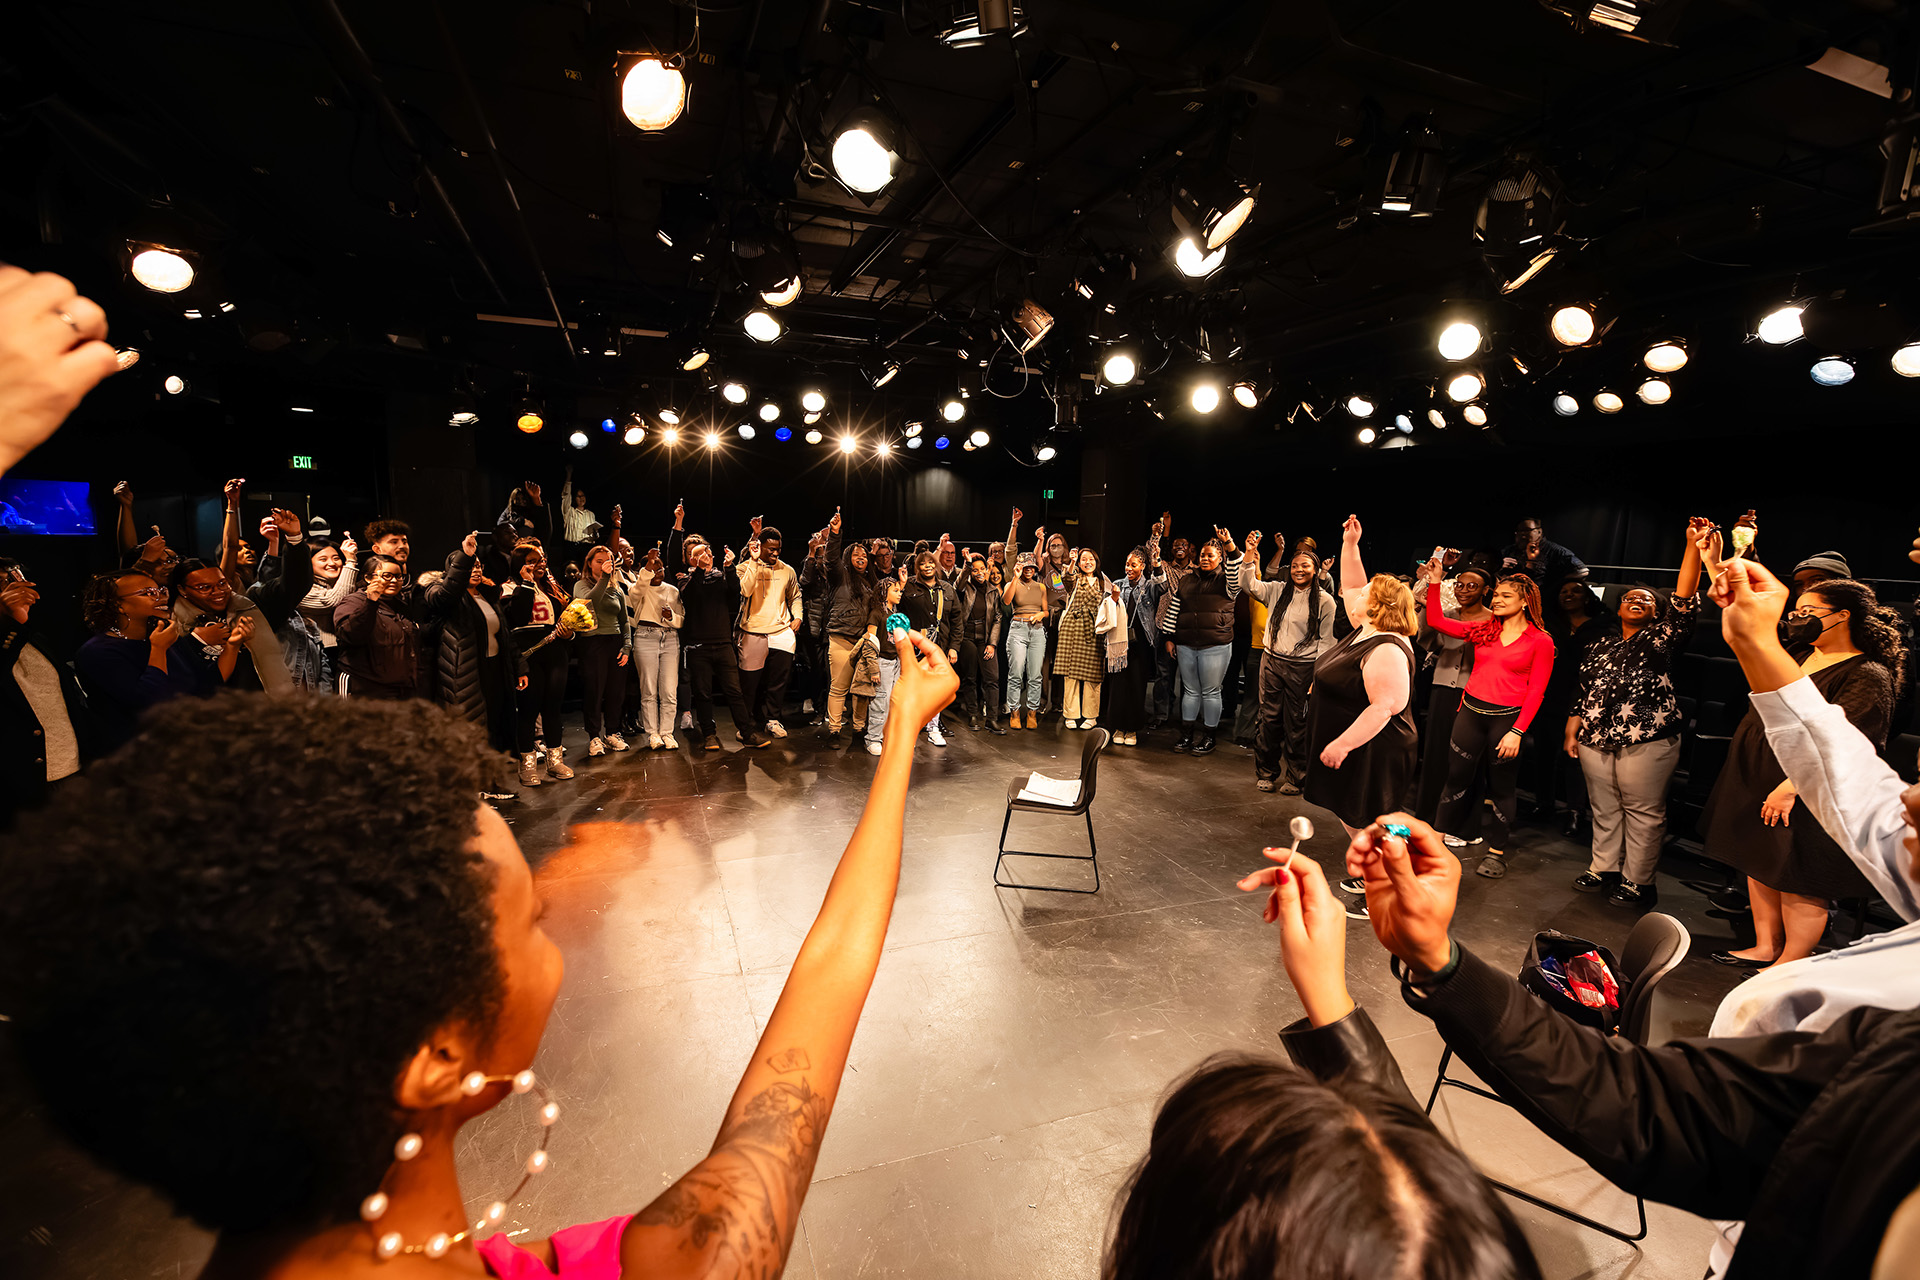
1654 949
1082 806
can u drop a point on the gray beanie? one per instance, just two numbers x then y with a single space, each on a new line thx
1831 563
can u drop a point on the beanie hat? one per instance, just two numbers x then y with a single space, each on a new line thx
1831 563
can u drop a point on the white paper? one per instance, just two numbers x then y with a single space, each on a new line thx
1044 790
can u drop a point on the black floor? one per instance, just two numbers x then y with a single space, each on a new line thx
1014 1044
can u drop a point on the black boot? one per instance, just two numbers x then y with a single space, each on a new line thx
1204 747
1186 737
994 725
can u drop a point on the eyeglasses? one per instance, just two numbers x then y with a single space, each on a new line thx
158 593
1811 611
389 577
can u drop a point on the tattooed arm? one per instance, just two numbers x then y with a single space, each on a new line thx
734 1213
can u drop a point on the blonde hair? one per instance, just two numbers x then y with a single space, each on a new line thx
1390 605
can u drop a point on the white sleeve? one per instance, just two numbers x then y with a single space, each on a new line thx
1845 785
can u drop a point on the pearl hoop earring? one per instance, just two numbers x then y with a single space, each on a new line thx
390 1244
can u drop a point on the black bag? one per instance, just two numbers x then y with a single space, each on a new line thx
1562 947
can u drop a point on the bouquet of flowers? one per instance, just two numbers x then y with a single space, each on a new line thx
578 617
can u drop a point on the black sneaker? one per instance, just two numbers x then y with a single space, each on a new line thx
1354 884
1357 911
758 739
837 742
712 743
1205 746
1637 896
1587 882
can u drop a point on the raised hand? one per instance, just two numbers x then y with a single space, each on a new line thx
679 514
1313 932
1350 531
268 529
1706 536
1017 513
211 633
922 691
1412 886
532 491
833 525
18 597
1226 538
52 352
1326 566
233 488
123 494
1435 567
241 631
470 545
1253 542
288 522
1451 558
728 562
163 636
616 515
348 547
1751 602
754 524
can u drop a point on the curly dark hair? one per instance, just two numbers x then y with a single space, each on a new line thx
379 529
100 598
1255 1169
218 960
1488 632
1874 627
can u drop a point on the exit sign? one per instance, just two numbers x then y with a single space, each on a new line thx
1047 494
300 462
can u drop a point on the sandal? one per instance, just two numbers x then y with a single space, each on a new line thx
1493 866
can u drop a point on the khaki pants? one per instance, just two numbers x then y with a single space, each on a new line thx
1627 788
841 654
1082 700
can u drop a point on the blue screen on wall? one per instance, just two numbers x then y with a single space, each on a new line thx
54 507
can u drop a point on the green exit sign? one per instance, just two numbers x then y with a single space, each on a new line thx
1047 494
300 462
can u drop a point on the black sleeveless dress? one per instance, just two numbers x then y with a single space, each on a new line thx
1374 777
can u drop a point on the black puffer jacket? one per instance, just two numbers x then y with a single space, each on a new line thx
463 643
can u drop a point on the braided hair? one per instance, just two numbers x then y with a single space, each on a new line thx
1489 631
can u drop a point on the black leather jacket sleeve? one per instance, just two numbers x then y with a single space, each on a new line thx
1352 1046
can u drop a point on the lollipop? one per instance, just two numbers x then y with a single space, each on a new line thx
1744 531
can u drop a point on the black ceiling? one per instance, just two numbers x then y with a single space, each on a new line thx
374 179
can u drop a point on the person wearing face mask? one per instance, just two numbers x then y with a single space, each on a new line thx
1848 645
1026 596
1298 633
981 611
140 656
1133 644
1624 729
1198 631
1462 598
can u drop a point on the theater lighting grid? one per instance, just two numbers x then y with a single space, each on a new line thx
695 358
1832 371
1572 326
762 327
1655 391
160 269
652 96
1781 325
1211 206
1666 357
785 295
863 153
734 392
1608 402
1459 340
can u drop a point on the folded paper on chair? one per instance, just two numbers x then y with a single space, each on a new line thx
1041 789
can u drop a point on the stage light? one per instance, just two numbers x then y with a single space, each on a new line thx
1211 206
1437 418
1655 391
1367 435
734 393
942 442
783 434
746 431
769 412
1043 451
712 440
634 435
1404 423
1565 405
670 436
1192 262
1832 371
1417 171
1782 325
670 416
1246 395
1459 340
159 269
652 94
848 443
1666 357
972 24
694 355
812 401
530 421
1359 406
762 327
578 439
969 446
785 295
814 437
1465 386
913 429
809 418
1029 323
1475 415
953 410
1528 272
1608 402
1906 361
1205 397
882 448
1572 326
176 385
463 417
913 442
606 424
864 155
880 373
979 438
1118 369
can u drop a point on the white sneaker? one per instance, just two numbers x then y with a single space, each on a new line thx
1453 842
596 748
777 729
617 742
934 735
667 743
873 748
653 742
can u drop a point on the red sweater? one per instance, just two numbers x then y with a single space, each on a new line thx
1507 675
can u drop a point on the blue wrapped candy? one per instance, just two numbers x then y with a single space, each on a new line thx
1399 829
897 622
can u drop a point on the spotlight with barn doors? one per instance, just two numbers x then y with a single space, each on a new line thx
1360 406
712 440
880 372
1781 325
762 327
1608 402
1028 325
1211 205
634 435
913 429
670 416
979 439
1655 391
1417 171
1459 340
1246 395
1572 325
785 295
913 442
1205 397
864 153
1367 435
1669 356
812 401
159 268
1906 361
783 434
734 392
693 355
849 442
968 25
814 437
653 93
1565 405
1832 371
578 439
953 410
1437 418
1119 368
1464 386
1403 423
1187 256
175 385
1475 415
746 431
1044 451
769 412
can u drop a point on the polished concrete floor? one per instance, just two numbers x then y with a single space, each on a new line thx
1006 1069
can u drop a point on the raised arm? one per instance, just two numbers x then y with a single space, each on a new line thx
735 1213
1013 532
230 536
123 531
1353 574
1436 614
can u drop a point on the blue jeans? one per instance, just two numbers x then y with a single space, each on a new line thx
1026 663
877 709
1201 671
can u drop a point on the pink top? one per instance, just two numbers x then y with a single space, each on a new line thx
589 1251
1506 675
